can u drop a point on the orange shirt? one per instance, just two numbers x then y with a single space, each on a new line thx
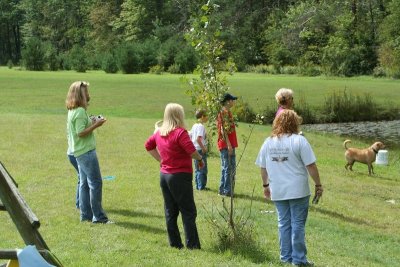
225 121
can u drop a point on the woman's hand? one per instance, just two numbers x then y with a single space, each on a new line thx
201 164
267 193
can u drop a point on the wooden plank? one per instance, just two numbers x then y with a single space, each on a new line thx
2 207
23 217
8 254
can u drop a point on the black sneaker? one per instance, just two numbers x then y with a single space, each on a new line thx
104 222
307 263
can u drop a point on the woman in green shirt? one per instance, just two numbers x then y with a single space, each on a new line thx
82 144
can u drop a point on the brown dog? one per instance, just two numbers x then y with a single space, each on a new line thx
366 156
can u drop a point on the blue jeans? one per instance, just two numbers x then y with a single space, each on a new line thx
73 162
90 188
200 175
292 216
228 172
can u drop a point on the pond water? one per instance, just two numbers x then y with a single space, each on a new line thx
387 132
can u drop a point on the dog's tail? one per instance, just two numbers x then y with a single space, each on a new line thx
345 143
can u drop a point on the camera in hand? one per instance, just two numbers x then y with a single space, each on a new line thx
96 118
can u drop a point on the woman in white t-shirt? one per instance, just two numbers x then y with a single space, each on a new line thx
286 160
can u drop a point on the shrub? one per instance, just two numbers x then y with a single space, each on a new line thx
10 64
157 69
110 64
289 70
304 110
268 114
173 69
51 57
167 52
130 61
379 71
149 53
346 107
186 59
33 54
261 68
243 111
78 59
65 62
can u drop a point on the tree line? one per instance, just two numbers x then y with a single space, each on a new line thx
310 37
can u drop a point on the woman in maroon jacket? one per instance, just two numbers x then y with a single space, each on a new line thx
172 147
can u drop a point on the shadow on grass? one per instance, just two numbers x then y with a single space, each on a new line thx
141 227
339 216
252 198
132 213
137 226
356 174
239 196
249 251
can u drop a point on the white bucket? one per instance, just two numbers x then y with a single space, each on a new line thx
382 157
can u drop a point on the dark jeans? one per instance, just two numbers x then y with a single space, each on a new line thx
177 191
72 159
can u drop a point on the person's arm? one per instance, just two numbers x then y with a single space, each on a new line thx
200 142
154 153
264 177
92 127
196 155
313 171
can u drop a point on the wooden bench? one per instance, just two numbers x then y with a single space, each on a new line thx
23 217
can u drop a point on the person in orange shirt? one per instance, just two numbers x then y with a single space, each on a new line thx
227 142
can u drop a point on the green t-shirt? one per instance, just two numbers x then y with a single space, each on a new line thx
78 120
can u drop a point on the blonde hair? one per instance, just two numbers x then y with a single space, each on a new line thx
174 116
77 95
283 95
287 122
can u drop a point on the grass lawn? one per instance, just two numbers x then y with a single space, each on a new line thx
353 225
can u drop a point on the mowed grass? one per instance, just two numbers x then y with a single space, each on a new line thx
353 225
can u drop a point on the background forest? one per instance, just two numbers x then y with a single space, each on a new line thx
345 38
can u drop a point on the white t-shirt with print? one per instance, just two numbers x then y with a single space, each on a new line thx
285 159
197 130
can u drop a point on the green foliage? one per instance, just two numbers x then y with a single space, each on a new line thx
263 69
33 54
186 59
173 69
10 64
389 57
243 112
128 23
157 69
204 36
77 58
345 107
241 239
389 51
149 51
110 63
52 58
129 58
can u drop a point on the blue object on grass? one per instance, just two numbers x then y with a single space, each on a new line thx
30 257
109 177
